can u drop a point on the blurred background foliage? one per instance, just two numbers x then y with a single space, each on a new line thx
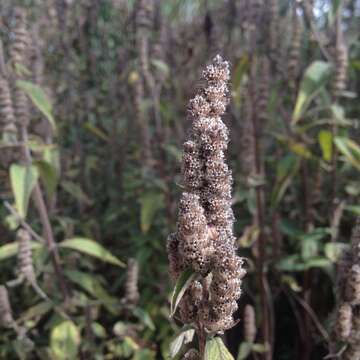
119 75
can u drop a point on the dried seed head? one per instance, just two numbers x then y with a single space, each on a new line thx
131 284
6 318
25 262
295 46
21 103
348 285
263 88
273 26
352 291
20 45
249 324
6 110
343 321
205 220
341 64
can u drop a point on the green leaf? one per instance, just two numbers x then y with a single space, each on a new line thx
291 282
335 6
161 66
92 248
23 180
92 285
318 262
98 330
144 317
285 171
314 78
355 209
349 149
11 249
48 174
96 131
333 251
65 340
184 337
244 350
76 191
183 282
325 140
39 99
215 349
150 202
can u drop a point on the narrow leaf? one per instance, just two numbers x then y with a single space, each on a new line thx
92 248
215 349
150 202
39 99
11 249
314 78
184 337
183 282
325 140
23 180
48 174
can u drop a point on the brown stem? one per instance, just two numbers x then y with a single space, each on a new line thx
202 341
260 221
307 275
45 222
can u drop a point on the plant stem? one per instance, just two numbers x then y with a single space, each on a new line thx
260 221
45 222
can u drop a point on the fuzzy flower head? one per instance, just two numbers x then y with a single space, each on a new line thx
204 238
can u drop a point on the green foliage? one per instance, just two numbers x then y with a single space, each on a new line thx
39 99
65 341
92 248
23 180
216 350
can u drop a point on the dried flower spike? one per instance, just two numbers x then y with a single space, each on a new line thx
21 41
8 127
249 324
131 285
25 262
205 220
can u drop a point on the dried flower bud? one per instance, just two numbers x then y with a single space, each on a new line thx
6 318
344 321
249 324
25 262
131 284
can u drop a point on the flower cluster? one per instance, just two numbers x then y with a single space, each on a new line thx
347 327
204 238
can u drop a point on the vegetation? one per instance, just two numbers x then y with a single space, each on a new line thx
101 160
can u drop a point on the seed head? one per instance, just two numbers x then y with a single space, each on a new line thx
204 238
131 284
25 262
249 324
